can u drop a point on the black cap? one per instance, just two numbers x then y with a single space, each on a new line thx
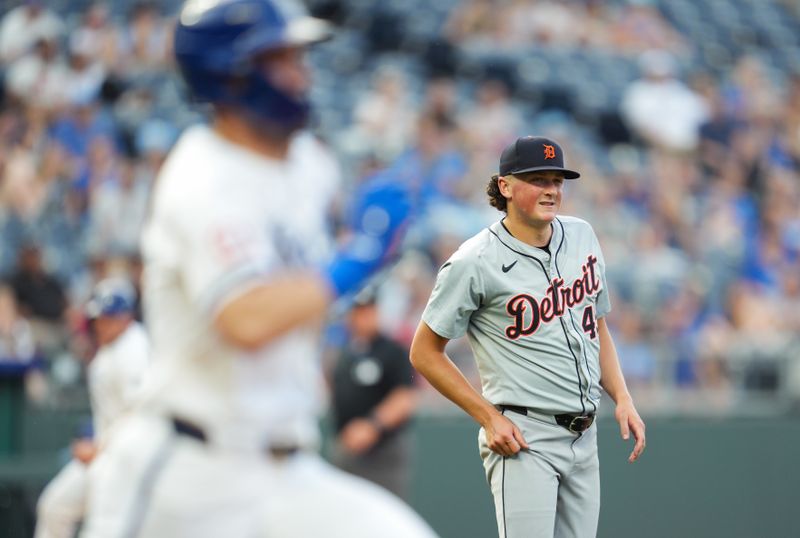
534 154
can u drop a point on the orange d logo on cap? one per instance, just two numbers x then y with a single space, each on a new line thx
534 154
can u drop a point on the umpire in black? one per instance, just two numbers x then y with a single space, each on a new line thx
373 401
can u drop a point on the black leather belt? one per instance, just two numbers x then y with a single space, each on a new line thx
574 423
183 427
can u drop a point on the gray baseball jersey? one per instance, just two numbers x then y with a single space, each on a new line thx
530 315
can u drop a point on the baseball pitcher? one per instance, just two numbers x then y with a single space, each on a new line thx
530 294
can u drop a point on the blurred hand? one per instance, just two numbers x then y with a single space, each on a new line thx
631 423
358 436
503 436
84 450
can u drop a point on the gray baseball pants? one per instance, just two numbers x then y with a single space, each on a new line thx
551 490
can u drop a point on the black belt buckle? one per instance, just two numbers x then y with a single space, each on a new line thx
580 424
575 423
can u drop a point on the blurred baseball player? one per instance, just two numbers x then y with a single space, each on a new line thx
530 293
237 276
115 376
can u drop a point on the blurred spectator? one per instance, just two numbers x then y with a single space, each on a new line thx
59 224
767 260
657 270
441 98
118 209
475 24
750 94
637 358
39 77
599 19
545 22
85 75
486 25
144 42
640 26
22 191
404 296
435 165
661 109
791 120
707 203
95 36
77 130
103 164
717 132
788 299
383 119
490 126
676 326
26 25
41 298
153 140
373 401
133 109
729 224
16 335
759 340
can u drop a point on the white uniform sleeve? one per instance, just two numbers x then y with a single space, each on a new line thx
225 253
457 294
223 246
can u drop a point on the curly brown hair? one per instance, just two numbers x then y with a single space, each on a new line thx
496 198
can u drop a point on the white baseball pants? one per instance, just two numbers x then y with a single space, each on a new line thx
62 504
159 484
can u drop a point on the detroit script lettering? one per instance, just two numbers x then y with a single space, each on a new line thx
557 299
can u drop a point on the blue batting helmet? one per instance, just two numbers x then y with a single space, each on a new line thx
216 42
111 297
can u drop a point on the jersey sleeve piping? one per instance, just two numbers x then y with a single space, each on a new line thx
231 286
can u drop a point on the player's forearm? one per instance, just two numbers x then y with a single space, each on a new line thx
611 377
444 375
268 311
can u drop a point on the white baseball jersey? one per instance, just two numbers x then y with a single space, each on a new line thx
530 315
116 374
223 220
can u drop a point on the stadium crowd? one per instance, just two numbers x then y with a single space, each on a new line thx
690 173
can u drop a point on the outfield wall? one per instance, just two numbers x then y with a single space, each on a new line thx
699 478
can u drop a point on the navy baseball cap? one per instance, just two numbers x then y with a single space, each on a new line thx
534 154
